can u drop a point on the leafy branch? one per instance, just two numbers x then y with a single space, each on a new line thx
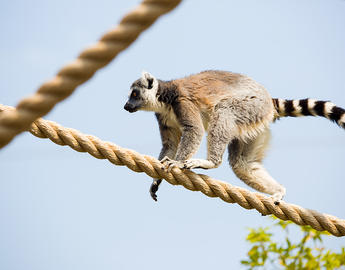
307 253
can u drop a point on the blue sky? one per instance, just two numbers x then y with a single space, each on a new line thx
60 209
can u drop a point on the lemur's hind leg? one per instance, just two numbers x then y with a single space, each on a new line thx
170 140
246 161
222 129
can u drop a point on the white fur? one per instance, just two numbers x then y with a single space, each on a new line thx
152 102
311 105
150 94
281 105
145 76
328 108
297 108
168 117
341 121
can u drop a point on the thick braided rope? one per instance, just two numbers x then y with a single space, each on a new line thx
192 181
80 70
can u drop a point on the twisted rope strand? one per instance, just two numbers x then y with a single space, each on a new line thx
80 70
190 180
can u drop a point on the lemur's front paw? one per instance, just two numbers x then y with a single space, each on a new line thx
169 164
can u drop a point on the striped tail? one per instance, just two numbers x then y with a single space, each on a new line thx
306 107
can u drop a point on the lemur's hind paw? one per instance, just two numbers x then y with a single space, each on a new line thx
198 163
191 164
169 164
153 194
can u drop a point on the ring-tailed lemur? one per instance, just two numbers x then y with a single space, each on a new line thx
235 111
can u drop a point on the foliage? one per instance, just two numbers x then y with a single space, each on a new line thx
306 253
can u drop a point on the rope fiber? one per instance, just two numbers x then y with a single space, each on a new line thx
190 180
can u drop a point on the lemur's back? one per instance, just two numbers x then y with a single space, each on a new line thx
208 88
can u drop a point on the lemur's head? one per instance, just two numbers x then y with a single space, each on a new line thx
143 94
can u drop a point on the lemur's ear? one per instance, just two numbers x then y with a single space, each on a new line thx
147 79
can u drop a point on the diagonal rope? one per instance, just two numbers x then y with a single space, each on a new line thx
192 181
83 68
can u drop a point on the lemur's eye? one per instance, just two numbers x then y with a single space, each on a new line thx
135 94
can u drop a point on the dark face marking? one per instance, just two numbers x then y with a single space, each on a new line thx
135 94
134 102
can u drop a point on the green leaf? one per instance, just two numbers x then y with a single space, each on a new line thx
244 262
259 235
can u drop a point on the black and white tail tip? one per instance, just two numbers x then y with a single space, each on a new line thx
310 107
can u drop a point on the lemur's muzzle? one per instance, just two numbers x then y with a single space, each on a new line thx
130 107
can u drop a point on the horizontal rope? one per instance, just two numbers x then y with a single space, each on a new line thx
83 68
190 180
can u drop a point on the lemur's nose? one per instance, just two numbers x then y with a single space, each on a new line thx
129 107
